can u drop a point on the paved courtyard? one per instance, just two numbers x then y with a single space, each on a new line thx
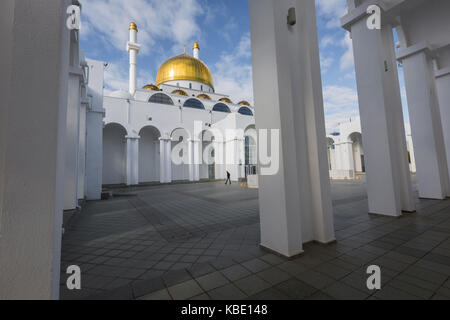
201 241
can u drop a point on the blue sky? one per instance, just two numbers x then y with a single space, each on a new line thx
223 31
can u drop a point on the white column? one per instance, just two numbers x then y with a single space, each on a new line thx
426 125
162 159
348 162
82 152
72 143
295 201
33 127
165 145
443 89
132 160
197 158
242 158
94 154
194 160
133 48
94 131
168 162
389 185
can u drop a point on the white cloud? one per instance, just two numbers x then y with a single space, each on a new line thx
174 20
332 10
232 75
326 63
116 78
341 104
336 97
326 41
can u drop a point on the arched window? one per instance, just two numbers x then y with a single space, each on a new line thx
161 98
194 103
220 107
245 111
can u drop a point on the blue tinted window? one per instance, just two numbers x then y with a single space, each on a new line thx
161 98
194 103
245 111
220 107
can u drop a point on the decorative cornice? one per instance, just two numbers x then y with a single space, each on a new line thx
415 49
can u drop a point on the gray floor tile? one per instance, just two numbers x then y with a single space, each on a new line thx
158 295
227 292
185 290
252 285
235 272
212 281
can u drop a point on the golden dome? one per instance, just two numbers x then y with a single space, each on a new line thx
180 92
204 96
244 103
151 87
184 67
196 45
226 100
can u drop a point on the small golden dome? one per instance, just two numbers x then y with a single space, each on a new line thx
180 92
151 86
226 100
184 67
204 96
244 103
196 45
133 26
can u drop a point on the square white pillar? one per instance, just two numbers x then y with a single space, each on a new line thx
389 187
295 202
162 159
194 160
72 142
34 69
168 161
132 160
426 125
94 131
443 90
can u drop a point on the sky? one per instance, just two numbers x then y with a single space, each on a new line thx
223 31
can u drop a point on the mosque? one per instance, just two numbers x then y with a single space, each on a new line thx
62 139
345 148
142 127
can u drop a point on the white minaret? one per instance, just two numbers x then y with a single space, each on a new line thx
196 50
133 48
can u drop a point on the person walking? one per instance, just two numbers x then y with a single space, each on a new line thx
228 178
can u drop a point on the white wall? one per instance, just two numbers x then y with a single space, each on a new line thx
114 155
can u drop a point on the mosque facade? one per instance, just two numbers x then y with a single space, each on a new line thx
182 115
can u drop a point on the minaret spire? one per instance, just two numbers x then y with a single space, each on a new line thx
133 48
196 50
